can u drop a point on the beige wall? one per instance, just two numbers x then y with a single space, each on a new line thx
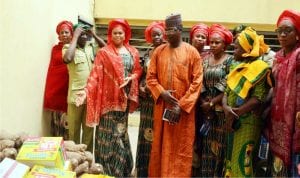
262 14
27 34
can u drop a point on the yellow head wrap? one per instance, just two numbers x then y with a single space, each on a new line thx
252 43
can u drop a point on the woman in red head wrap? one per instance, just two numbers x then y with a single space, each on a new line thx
154 34
111 93
209 112
123 24
284 126
199 38
56 90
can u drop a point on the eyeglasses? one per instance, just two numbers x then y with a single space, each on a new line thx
286 31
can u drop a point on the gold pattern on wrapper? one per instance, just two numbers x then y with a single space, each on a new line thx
277 164
121 128
215 147
148 134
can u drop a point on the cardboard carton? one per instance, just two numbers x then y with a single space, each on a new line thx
95 176
44 172
12 169
46 151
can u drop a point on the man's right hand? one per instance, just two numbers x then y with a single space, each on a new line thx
81 96
78 32
167 97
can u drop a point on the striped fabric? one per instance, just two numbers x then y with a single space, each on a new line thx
59 125
252 43
112 147
211 148
144 143
246 75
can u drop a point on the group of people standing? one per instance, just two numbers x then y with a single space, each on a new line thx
202 111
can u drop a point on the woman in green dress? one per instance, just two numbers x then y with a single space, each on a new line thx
154 34
247 86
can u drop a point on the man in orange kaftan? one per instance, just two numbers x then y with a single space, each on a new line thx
174 79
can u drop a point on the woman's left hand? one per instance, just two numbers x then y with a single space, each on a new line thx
237 112
206 108
126 81
142 89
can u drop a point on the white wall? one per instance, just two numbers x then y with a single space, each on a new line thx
27 33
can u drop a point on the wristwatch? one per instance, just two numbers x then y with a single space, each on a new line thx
211 104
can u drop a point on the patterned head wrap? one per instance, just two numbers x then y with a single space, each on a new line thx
238 29
222 31
292 16
252 43
174 20
64 24
156 24
124 24
200 27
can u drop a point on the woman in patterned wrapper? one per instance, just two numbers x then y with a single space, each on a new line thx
154 34
210 115
283 130
111 93
198 39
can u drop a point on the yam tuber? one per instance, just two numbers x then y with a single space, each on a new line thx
71 146
19 141
82 168
74 163
96 168
74 155
10 153
1 156
68 143
88 157
6 144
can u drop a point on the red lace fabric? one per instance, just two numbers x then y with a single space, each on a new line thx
103 92
284 131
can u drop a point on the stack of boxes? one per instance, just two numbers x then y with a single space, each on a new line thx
41 157
47 172
46 157
45 151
